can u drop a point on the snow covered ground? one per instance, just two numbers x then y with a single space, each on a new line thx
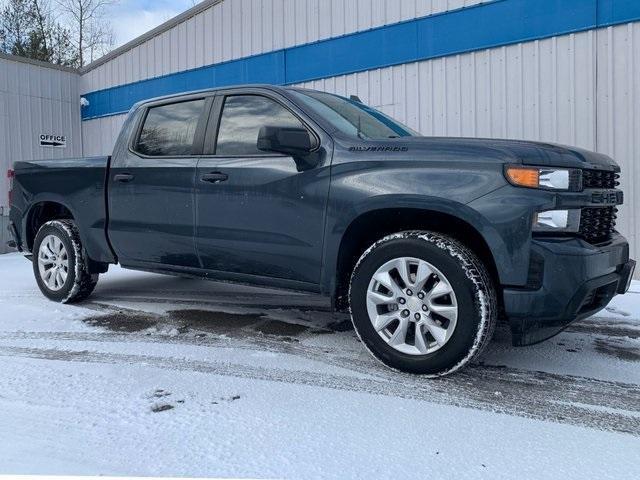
168 376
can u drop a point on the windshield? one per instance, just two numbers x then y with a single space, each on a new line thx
354 118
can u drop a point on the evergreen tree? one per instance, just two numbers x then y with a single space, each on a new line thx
15 26
29 28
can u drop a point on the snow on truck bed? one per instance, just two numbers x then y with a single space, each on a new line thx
167 376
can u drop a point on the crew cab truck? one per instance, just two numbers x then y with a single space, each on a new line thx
426 241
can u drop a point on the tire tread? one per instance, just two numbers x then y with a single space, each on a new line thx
84 282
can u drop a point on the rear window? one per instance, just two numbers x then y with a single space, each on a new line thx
169 130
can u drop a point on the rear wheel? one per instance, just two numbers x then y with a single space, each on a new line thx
60 263
422 302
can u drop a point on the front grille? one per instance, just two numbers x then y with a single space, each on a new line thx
598 224
599 179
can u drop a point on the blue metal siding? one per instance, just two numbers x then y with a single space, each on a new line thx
614 12
492 24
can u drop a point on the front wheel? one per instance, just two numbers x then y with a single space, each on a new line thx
60 263
422 303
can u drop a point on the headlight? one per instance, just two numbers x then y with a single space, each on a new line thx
557 221
545 178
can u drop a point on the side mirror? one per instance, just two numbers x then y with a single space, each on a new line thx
288 140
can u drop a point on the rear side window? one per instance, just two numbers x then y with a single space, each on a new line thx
169 130
242 118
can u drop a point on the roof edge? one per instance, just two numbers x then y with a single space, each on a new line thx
145 37
37 63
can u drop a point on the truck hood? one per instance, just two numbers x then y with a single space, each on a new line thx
505 151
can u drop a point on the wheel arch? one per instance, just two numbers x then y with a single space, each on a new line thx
41 212
45 209
373 224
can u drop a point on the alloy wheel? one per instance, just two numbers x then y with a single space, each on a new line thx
53 262
412 306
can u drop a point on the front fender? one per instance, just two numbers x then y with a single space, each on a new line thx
487 230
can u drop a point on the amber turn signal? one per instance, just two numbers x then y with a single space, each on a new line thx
524 177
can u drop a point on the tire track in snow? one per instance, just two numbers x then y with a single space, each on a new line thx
308 304
606 327
602 405
596 404
266 302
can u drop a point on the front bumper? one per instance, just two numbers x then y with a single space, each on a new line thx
575 280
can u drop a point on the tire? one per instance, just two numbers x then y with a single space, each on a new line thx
448 294
57 246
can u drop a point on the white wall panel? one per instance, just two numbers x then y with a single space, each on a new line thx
618 125
35 99
99 135
239 28
542 90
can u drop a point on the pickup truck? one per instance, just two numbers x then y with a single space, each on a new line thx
425 241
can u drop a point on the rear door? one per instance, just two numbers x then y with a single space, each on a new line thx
258 213
151 185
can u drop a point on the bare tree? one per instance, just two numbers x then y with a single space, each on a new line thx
91 32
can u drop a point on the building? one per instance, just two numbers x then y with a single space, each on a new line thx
565 71
36 99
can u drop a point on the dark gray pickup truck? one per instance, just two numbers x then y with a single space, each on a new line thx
426 241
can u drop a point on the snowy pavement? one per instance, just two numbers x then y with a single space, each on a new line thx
168 376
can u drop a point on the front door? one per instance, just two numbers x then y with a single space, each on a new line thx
257 213
151 188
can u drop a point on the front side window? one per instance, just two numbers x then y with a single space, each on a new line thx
242 118
353 118
169 130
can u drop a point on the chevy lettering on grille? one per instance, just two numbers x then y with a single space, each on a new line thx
607 198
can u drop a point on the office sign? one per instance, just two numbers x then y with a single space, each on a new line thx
53 141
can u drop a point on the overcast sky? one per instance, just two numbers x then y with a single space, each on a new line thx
131 18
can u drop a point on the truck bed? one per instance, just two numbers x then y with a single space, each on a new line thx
79 184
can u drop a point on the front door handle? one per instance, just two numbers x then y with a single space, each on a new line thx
215 177
123 177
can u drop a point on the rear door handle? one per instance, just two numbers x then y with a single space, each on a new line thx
215 177
123 177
